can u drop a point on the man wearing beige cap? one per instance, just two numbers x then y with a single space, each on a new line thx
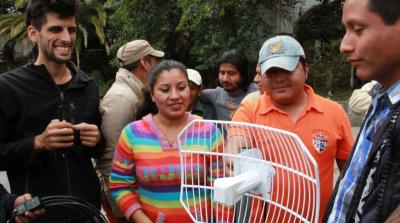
119 106
196 106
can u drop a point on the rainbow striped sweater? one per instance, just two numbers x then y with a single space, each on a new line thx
146 170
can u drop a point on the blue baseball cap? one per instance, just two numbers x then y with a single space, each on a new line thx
281 52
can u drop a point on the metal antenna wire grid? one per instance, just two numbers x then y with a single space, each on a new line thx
241 172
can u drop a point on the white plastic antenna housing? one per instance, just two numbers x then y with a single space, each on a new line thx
251 175
275 180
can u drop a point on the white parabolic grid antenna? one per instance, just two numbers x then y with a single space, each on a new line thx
240 172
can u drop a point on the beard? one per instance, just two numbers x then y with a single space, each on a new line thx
48 52
50 56
231 87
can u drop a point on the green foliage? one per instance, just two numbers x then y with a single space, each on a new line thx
138 19
320 31
104 84
6 6
321 22
328 68
13 35
195 32
92 15
215 26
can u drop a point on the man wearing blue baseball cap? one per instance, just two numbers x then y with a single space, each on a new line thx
290 104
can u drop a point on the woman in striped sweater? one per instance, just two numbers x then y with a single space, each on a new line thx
145 178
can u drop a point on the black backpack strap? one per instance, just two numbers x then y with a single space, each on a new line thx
390 169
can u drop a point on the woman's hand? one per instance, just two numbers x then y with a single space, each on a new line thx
140 217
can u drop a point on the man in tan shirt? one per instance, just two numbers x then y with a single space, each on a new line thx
119 107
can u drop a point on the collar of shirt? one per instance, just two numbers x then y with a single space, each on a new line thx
385 98
394 93
267 105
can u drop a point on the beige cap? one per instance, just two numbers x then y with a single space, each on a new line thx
194 76
136 49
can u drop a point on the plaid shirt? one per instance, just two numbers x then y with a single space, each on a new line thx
381 107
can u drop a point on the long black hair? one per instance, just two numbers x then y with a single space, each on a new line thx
240 61
148 106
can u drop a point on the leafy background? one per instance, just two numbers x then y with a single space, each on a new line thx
194 32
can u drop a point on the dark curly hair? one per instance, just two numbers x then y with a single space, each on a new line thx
36 10
240 61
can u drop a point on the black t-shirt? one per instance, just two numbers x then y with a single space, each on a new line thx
62 87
